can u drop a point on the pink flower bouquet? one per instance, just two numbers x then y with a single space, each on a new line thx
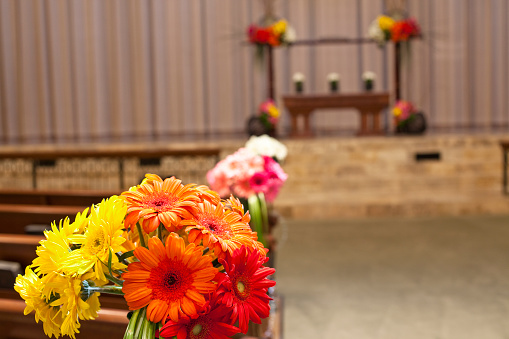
245 173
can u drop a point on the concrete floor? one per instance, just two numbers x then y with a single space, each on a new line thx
395 278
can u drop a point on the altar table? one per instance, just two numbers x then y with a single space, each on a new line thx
369 105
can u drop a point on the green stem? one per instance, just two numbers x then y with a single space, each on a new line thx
264 213
256 218
131 327
140 232
139 325
160 232
107 289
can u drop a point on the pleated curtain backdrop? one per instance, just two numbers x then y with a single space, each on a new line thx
101 70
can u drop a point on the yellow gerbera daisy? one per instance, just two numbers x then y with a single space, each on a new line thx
30 287
102 237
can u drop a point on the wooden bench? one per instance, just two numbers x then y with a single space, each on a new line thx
369 105
16 217
111 323
19 247
54 197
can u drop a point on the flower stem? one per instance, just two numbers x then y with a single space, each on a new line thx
160 232
264 212
107 289
256 218
140 232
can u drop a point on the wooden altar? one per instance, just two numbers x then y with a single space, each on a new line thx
369 106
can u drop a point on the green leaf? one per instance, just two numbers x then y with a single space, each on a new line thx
126 255
110 256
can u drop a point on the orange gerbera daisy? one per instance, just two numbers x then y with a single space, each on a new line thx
236 206
156 201
220 229
171 279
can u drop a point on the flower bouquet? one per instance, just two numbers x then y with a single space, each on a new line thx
385 28
268 146
186 262
403 112
407 119
277 34
265 121
269 114
368 78
256 179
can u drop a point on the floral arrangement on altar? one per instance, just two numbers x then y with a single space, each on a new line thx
277 34
403 112
187 263
269 114
254 178
385 28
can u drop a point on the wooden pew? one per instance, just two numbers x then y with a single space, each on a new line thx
54 197
19 247
111 323
16 217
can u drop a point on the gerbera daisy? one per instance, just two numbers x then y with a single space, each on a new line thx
219 181
244 287
208 325
242 187
30 287
171 279
259 182
157 201
222 231
206 193
102 237
236 206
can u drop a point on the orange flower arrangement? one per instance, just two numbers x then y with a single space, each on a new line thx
177 253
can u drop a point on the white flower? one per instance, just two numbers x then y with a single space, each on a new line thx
332 77
376 33
290 35
298 77
265 145
368 75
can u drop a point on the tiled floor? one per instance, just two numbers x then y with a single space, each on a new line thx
395 278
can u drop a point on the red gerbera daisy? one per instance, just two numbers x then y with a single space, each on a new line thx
156 201
244 287
208 325
170 279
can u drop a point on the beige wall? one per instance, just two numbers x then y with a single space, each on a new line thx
85 70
